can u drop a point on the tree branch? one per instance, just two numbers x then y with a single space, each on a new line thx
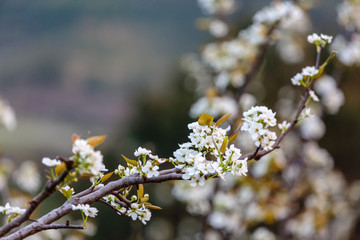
87 199
49 189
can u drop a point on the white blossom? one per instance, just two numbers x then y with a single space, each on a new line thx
257 120
283 126
313 38
150 170
8 210
309 71
88 160
297 78
50 162
86 209
141 151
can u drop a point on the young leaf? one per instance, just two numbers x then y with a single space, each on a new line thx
74 137
222 119
144 199
96 140
140 191
60 168
205 119
106 177
149 205
224 144
129 161
233 137
322 67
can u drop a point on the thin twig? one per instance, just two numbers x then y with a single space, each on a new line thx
111 206
121 198
60 226
293 122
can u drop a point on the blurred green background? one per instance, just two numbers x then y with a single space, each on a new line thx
112 67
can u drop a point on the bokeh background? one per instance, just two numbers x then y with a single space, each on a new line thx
112 67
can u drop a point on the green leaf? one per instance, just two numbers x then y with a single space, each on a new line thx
205 119
224 144
129 161
222 119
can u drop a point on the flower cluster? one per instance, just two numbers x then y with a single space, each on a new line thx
146 165
348 15
274 13
348 46
86 159
11 212
86 211
227 61
348 50
257 120
304 78
321 40
137 210
208 141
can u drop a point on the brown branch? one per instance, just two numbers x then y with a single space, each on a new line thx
121 198
60 226
49 189
91 197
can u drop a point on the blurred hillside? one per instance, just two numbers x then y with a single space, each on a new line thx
74 66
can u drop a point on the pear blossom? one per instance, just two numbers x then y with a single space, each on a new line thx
88 160
8 210
86 209
257 120
283 126
309 71
326 38
150 170
313 38
50 162
296 80
142 152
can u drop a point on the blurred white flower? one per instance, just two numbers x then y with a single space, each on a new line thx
50 162
27 177
7 116
218 28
